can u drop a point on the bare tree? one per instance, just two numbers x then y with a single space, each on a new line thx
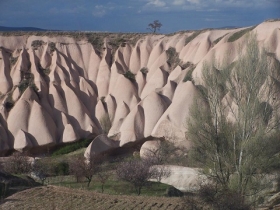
74 167
136 172
83 167
165 152
41 168
18 163
160 172
102 175
234 123
154 26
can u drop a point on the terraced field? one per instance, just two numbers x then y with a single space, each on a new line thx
60 198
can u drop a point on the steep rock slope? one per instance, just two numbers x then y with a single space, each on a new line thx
58 89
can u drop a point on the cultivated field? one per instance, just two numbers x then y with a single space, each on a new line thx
54 197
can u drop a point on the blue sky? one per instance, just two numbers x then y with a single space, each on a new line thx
135 15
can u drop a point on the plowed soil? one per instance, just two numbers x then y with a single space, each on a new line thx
60 198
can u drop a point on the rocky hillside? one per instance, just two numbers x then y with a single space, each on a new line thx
60 88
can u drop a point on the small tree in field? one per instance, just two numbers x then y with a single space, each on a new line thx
18 164
136 172
83 167
165 152
42 168
74 168
155 26
160 172
102 175
234 123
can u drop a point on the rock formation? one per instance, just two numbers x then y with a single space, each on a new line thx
57 89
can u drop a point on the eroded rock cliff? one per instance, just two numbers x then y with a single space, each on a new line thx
58 89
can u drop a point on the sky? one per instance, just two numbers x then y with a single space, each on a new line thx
135 15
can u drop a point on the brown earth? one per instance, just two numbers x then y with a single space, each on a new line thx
54 197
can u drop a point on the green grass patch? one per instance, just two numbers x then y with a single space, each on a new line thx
113 186
71 147
239 34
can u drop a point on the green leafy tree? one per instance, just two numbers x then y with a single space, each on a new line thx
154 26
234 122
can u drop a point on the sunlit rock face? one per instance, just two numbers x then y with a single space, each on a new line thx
57 89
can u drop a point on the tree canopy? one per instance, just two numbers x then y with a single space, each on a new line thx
154 26
234 123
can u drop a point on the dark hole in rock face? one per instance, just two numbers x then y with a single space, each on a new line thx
8 105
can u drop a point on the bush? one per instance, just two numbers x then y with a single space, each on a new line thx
27 81
43 71
4 188
61 168
96 41
173 192
129 75
52 47
117 42
188 76
230 200
42 168
13 60
37 43
144 70
9 105
218 198
24 84
71 147
173 57
186 65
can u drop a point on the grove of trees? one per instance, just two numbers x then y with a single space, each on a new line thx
234 123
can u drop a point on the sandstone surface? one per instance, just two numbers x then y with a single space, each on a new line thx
56 89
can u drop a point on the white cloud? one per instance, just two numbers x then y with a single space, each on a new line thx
194 1
73 10
156 3
202 5
99 11
211 19
179 2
